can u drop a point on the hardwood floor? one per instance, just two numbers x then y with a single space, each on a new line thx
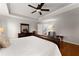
69 49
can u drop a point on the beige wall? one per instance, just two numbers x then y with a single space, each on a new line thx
12 26
67 24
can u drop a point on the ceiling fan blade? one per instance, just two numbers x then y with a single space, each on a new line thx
40 6
32 6
45 10
40 13
34 11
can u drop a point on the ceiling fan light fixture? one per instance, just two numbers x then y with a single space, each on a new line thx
38 10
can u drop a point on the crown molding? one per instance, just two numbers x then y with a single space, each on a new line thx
20 16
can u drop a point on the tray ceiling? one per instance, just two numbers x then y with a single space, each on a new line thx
22 9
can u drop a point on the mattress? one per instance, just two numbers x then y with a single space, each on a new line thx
30 46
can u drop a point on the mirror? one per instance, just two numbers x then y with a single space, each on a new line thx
24 28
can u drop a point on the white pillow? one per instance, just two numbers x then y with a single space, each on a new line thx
4 42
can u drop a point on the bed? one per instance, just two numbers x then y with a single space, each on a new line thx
30 46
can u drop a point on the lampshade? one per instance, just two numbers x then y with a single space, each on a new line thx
1 29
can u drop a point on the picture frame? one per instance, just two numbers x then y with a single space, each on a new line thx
24 28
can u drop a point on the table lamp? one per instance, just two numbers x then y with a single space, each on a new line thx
1 30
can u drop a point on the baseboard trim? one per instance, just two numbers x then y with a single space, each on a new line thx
71 42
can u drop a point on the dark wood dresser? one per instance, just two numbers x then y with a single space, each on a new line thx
24 34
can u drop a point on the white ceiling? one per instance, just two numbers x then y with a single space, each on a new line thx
3 9
22 9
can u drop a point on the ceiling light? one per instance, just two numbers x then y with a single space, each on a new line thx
38 10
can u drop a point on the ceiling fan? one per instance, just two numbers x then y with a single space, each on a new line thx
39 8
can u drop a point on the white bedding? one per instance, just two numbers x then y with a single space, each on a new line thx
30 46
